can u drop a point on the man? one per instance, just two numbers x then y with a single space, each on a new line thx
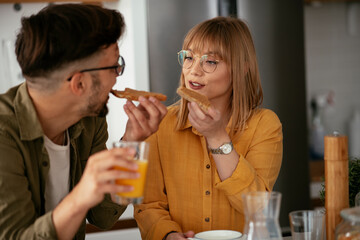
55 170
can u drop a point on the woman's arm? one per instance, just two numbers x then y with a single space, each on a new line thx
153 217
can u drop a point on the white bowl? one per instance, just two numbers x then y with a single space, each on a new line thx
218 234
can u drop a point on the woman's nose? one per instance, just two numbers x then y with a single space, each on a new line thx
196 67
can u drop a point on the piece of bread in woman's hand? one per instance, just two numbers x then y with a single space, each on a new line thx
193 96
133 95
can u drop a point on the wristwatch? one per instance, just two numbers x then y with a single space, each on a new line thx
225 148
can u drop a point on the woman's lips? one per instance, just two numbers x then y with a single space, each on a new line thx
195 85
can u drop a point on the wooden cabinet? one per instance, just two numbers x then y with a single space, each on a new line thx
317 178
317 172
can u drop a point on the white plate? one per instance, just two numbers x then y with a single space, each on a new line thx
218 234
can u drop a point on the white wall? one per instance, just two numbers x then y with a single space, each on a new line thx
133 47
10 73
332 43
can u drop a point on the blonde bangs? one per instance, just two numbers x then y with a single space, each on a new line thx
209 36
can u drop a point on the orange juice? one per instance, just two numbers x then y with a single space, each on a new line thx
138 183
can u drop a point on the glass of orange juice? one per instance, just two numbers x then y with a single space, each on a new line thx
141 159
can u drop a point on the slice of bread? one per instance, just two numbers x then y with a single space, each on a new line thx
133 95
193 96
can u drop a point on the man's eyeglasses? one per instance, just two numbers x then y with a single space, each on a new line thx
118 68
208 63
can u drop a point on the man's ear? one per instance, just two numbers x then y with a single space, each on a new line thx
78 84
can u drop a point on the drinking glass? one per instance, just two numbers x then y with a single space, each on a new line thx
141 159
307 225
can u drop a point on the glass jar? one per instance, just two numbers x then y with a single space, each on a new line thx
349 228
357 200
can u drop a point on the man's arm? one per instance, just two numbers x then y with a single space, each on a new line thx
96 181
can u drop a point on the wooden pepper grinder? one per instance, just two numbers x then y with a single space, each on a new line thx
336 180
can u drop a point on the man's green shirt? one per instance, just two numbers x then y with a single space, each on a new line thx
24 166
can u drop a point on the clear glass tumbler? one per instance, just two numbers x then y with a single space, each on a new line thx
307 225
141 159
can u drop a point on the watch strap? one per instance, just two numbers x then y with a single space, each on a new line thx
219 150
215 150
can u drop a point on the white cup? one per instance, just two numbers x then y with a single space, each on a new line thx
218 234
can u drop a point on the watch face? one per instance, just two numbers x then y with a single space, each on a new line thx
226 148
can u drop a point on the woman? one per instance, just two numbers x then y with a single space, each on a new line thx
201 162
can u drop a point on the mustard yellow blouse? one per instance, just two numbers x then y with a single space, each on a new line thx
183 190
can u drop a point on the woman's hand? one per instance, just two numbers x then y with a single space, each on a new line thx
180 236
210 124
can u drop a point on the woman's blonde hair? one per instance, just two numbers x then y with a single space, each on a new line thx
231 39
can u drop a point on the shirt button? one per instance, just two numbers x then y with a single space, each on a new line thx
44 163
208 166
207 219
207 192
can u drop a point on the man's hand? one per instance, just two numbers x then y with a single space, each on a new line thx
99 175
144 119
98 178
180 236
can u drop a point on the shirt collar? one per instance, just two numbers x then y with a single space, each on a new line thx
29 125
188 125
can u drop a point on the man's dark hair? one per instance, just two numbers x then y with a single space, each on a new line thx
60 34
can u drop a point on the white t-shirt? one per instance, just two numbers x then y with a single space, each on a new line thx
58 180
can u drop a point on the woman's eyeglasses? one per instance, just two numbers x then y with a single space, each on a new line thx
186 60
119 69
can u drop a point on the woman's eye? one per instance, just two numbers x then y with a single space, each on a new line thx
211 62
188 58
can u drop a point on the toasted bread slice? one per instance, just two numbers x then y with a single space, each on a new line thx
133 95
193 96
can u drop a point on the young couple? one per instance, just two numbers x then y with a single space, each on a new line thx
55 170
